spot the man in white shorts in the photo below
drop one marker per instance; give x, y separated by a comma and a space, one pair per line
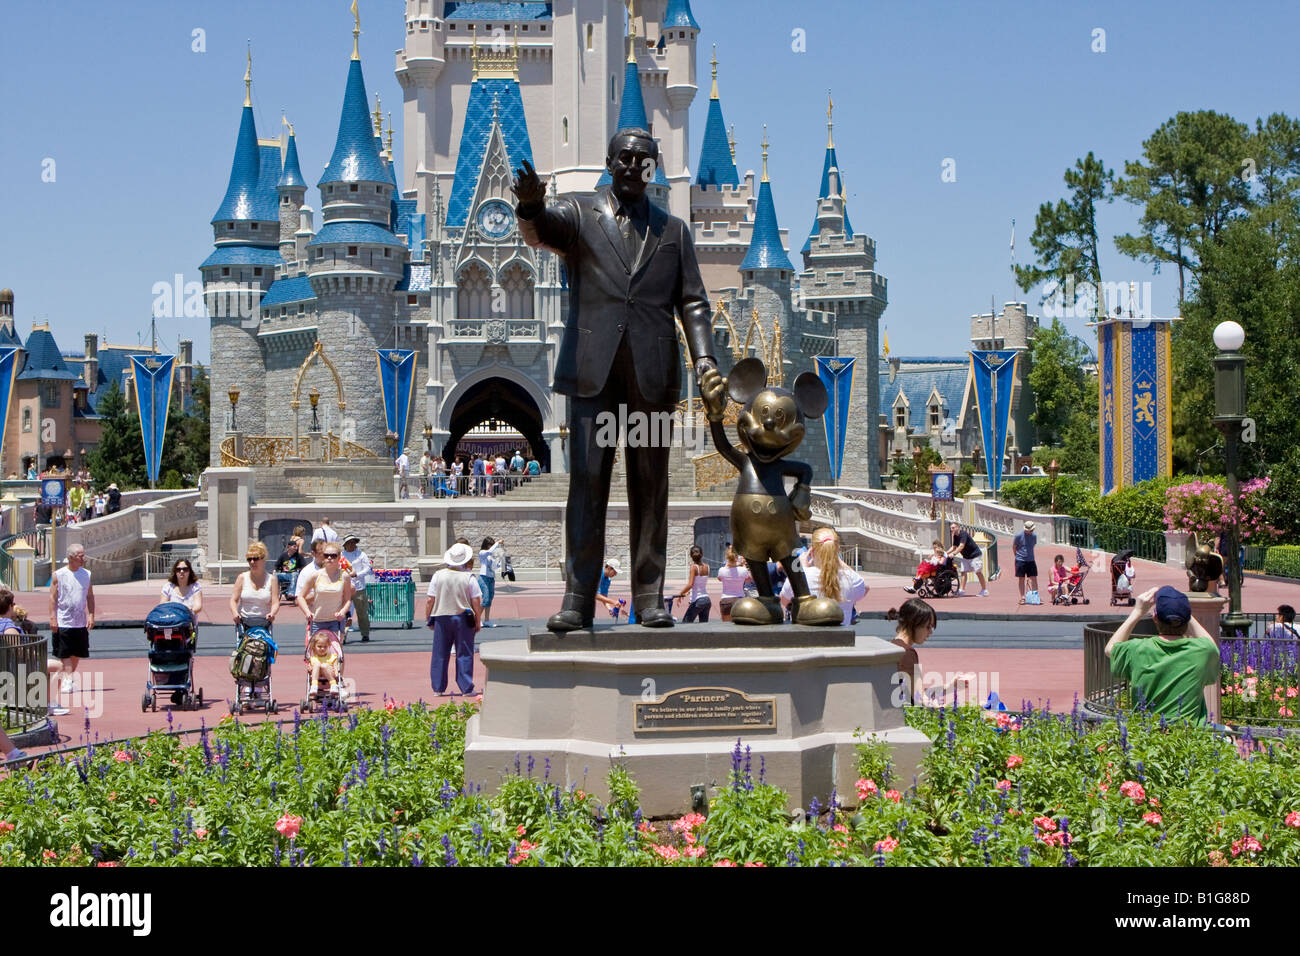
970, 559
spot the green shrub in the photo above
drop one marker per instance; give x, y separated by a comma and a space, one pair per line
1283, 560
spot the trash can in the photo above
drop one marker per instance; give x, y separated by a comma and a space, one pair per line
392, 598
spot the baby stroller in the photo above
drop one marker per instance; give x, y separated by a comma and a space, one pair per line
250, 666
171, 634
940, 582
1071, 591
322, 694
1121, 579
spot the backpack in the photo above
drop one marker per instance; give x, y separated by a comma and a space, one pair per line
252, 660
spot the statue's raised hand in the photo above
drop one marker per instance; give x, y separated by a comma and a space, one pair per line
528, 187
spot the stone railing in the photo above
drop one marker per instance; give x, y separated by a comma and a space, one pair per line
115, 543
901, 502
886, 528
1009, 521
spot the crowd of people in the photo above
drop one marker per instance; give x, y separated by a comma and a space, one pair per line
473, 475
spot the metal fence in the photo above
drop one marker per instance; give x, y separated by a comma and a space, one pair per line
1258, 669
1082, 533
21, 657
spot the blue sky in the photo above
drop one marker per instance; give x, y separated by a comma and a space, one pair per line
141, 129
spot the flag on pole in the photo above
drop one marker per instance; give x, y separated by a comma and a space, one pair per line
1013, 240
836, 373
396, 380
8, 375
886, 341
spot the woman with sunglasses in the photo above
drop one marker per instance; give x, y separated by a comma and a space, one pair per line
256, 592
183, 588
326, 599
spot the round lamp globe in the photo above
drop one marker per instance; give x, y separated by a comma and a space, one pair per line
1229, 336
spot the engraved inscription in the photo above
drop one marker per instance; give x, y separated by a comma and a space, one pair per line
706, 708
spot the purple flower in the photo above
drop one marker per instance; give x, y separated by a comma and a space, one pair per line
449, 855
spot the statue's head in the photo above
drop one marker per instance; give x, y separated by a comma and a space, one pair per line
771, 426
631, 161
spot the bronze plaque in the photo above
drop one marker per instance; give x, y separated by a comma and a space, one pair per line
706, 708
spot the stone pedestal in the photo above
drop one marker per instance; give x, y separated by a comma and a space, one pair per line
229, 494
670, 705
1206, 609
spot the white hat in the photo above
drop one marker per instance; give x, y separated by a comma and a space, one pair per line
1029, 526
613, 563
458, 554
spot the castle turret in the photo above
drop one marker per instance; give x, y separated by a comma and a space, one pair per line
419, 64
678, 35
91, 370
354, 260
292, 188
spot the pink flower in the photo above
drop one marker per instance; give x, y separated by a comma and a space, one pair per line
1004, 785
1055, 839
1217, 858
108, 863
1133, 790
1285, 712
391, 705
755, 863
1014, 761
121, 756
1154, 802
645, 826
521, 830
694, 852
1047, 824
7, 827
288, 826
1152, 818
1246, 844
688, 824
866, 788
894, 795
49, 855
666, 852
201, 833
723, 863
887, 845
1292, 820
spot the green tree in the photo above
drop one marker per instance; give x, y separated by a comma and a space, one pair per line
1056, 380
905, 469
1065, 235
1190, 186
119, 456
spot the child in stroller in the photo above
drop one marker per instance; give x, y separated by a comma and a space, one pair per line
324, 664
169, 629
1067, 583
1121, 579
936, 575
250, 665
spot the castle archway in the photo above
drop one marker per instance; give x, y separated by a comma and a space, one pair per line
509, 407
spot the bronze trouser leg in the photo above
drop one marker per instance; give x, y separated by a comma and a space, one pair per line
590, 467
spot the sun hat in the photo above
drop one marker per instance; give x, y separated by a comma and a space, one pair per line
1029, 526
457, 555
350, 538
613, 563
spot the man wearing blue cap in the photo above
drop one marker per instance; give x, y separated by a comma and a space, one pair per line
1174, 669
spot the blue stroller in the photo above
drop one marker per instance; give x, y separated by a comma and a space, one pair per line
250, 666
172, 638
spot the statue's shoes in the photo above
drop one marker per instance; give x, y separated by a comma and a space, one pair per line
817, 611
754, 610
654, 617
567, 621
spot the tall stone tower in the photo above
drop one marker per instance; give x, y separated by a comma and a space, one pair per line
841, 289
355, 261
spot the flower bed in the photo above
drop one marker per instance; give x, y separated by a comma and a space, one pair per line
385, 788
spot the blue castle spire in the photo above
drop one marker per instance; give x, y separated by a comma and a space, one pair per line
355, 157
291, 176
679, 14
765, 248
824, 190
631, 113
241, 193
717, 166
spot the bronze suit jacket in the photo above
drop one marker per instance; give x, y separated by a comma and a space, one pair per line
610, 297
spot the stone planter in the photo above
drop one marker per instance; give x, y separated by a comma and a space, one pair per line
1176, 549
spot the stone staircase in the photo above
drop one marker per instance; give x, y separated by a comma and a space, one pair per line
681, 483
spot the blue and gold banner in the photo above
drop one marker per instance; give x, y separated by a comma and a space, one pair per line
396, 381
837, 375
153, 395
8, 372
994, 373
1136, 417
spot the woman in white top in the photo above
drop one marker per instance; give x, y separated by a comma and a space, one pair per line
256, 592
183, 588
733, 576
326, 599
845, 587
697, 586
489, 561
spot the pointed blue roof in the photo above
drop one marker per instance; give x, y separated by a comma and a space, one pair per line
9, 337
490, 10
679, 14
291, 175
355, 156
717, 168
244, 199
474, 138
823, 192
631, 113
44, 360
765, 248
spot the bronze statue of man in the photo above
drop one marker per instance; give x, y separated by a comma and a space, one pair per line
630, 266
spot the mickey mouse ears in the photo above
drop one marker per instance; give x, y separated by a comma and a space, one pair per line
810, 394
747, 379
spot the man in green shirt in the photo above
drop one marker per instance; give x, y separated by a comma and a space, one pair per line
1176, 670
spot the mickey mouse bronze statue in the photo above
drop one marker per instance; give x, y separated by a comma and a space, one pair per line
763, 515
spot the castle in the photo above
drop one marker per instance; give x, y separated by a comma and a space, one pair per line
432, 261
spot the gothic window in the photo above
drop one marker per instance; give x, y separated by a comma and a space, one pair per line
935, 416
612, 98
27, 419
591, 37
252, 225
50, 396
564, 124
474, 293
353, 188
352, 250
900, 416
518, 287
